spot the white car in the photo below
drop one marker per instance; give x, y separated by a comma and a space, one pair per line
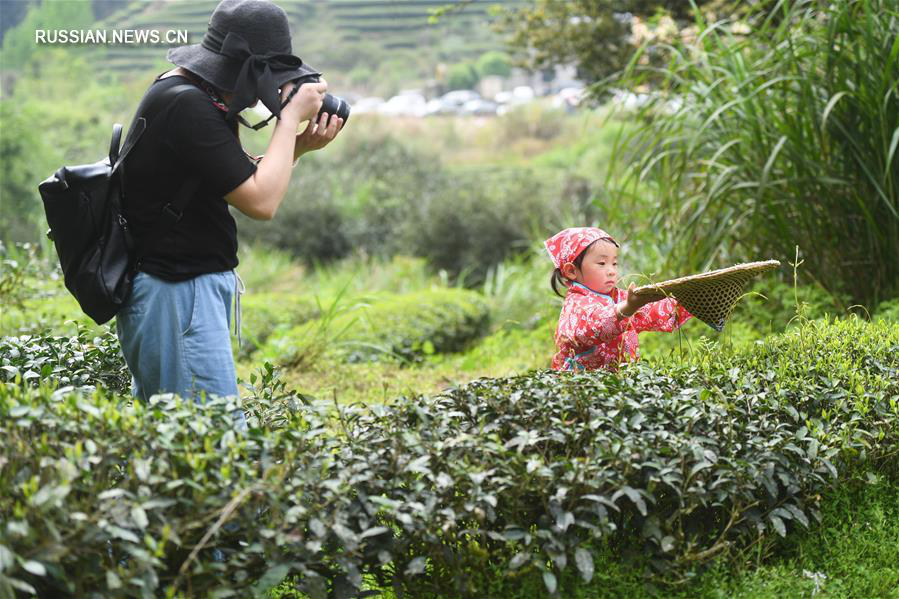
406, 104
439, 106
523, 93
457, 98
479, 107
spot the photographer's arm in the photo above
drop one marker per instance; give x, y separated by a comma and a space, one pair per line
260, 195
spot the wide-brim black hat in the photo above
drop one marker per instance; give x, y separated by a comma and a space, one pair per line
246, 52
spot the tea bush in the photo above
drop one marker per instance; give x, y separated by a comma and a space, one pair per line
82, 360
404, 327
103, 497
501, 475
263, 313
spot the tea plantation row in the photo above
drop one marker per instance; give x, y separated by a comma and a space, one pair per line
100, 495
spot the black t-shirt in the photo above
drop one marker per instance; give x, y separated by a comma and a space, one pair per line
187, 137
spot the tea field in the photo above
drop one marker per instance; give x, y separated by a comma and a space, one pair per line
406, 439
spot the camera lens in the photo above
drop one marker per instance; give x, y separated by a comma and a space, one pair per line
334, 105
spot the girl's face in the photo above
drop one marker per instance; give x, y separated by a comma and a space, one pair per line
599, 269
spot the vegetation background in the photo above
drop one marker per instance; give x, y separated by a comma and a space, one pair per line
406, 262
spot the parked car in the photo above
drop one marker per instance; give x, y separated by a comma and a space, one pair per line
457, 98
439, 106
405, 104
479, 107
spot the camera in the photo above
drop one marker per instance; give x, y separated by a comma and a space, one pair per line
330, 104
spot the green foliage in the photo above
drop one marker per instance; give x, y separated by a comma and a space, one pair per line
263, 268
519, 293
888, 310
19, 42
785, 137
479, 219
431, 495
105, 496
405, 327
462, 75
770, 305
494, 63
264, 313
379, 196
26, 160
851, 553
79, 361
358, 202
534, 119
592, 34
41, 134
18, 262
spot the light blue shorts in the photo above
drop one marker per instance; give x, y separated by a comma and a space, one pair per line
175, 336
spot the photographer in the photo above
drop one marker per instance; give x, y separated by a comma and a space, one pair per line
174, 328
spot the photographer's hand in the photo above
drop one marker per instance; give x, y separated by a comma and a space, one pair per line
305, 104
317, 135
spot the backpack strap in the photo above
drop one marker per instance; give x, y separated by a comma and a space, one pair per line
140, 123
114, 144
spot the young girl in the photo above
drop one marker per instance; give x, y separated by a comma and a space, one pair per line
599, 323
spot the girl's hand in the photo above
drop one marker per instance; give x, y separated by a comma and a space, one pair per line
307, 101
317, 135
633, 302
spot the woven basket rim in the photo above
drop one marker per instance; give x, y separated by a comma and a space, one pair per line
709, 276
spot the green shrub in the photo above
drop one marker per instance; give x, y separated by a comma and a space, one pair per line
380, 196
357, 203
462, 75
81, 361
264, 313
308, 225
494, 63
888, 310
480, 218
768, 306
33, 297
406, 327
106, 498
501, 475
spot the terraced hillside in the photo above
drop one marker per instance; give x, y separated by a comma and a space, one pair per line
337, 36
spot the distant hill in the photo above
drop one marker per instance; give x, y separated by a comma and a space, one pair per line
377, 45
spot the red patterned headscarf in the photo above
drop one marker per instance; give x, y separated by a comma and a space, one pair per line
565, 246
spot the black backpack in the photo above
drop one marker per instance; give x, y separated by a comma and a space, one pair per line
96, 249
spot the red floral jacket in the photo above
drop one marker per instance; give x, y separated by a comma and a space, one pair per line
590, 335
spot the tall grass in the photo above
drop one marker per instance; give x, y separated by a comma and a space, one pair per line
786, 136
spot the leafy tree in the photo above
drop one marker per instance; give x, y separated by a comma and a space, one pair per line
462, 76
599, 36
18, 42
56, 113
23, 158
494, 63
10, 15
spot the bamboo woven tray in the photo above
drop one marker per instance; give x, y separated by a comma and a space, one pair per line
709, 296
